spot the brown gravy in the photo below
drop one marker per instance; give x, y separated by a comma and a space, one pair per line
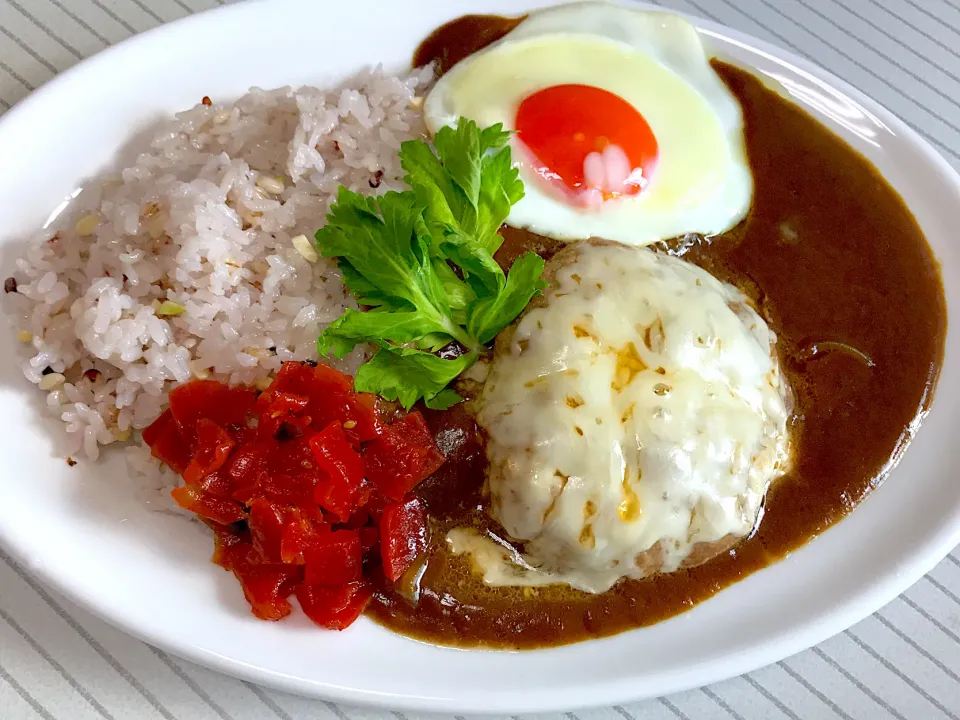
840, 269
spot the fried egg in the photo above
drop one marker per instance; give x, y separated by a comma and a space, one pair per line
623, 130
635, 417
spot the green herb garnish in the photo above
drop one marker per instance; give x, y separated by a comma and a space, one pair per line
422, 261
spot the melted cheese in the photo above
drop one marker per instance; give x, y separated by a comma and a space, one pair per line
638, 414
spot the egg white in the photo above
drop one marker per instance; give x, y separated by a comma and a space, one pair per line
654, 60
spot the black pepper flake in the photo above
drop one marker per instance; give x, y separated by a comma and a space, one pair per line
273, 349
377, 179
47, 370
287, 431
71, 462
92, 374
336, 146
240, 526
206, 100
311, 363
10, 285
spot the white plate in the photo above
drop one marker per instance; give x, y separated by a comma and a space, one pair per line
83, 532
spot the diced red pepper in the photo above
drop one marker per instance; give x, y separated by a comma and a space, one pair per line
334, 608
414, 429
367, 417
360, 408
369, 537
323, 475
282, 423
230, 547
154, 430
332, 398
373, 501
401, 456
292, 543
165, 442
247, 460
223, 404
245, 434
267, 587
266, 522
315, 515
217, 484
340, 492
245, 468
291, 472
359, 518
333, 559
403, 536
309, 379
285, 488
208, 506
275, 402
213, 446
299, 533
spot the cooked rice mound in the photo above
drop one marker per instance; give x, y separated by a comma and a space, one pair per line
189, 262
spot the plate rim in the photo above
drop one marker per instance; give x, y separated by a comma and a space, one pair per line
774, 647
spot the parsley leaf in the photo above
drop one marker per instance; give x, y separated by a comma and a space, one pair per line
355, 327
406, 374
382, 245
492, 314
422, 262
500, 188
459, 293
467, 192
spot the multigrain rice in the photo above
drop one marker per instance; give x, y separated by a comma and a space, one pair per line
191, 261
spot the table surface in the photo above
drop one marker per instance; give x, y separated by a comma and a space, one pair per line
57, 661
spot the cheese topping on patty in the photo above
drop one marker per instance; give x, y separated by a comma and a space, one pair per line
635, 420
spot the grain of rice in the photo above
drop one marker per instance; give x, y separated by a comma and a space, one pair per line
271, 185
87, 224
51, 381
305, 248
201, 372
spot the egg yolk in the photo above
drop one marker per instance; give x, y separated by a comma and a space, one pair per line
588, 141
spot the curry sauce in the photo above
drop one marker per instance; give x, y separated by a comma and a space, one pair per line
839, 268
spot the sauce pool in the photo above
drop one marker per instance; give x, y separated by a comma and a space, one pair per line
837, 265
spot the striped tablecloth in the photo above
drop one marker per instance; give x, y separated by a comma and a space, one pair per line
56, 661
